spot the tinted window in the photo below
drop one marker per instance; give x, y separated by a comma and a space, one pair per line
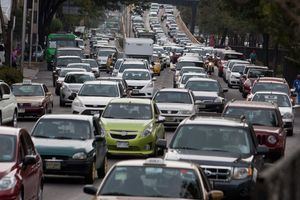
181, 64
69, 53
173, 97
152, 182
136, 75
281, 100
66, 61
203, 86
100, 90
6, 89
78, 78
270, 87
7, 148
28, 90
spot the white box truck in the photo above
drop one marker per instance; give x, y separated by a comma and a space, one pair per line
138, 48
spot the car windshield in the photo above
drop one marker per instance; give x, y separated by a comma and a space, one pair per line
65, 43
278, 87
93, 63
69, 53
128, 111
86, 67
280, 99
260, 117
233, 56
28, 90
136, 75
192, 70
181, 64
7, 148
210, 86
62, 129
186, 77
173, 97
105, 53
78, 78
66, 61
63, 73
256, 73
238, 68
99, 90
132, 66
152, 181
212, 138
118, 64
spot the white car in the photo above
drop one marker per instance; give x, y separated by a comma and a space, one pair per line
8, 106
188, 70
284, 104
175, 105
227, 69
102, 56
94, 65
140, 82
85, 66
186, 76
72, 84
132, 64
235, 74
95, 95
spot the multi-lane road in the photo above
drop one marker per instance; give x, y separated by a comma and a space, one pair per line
71, 188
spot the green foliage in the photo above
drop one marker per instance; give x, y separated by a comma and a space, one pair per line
10, 75
56, 25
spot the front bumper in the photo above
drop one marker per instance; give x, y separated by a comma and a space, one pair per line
142, 93
234, 82
88, 110
173, 120
138, 146
210, 107
30, 111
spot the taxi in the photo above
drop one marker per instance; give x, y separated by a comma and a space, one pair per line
151, 178
156, 65
34, 99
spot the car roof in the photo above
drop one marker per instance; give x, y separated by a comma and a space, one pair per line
83, 72
202, 79
101, 82
70, 69
134, 70
213, 120
5, 130
131, 100
86, 64
271, 79
88, 59
69, 48
191, 67
68, 57
166, 163
139, 61
271, 92
173, 90
194, 73
257, 66
29, 83
67, 116
252, 104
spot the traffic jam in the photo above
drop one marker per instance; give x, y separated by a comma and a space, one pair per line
158, 104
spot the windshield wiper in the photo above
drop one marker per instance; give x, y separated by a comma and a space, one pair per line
214, 149
41, 136
186, 148
63, 137
116, 194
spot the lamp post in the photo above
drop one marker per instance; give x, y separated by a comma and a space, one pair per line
23, 33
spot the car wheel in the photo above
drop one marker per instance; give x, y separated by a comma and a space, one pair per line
40, 192
61, 102
103, 169
290, 132
13, 123
229, 85
91, 176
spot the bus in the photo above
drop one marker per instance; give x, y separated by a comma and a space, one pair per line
56, 40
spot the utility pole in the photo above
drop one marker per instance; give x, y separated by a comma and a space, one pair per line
31, 31
37, 29
23, 32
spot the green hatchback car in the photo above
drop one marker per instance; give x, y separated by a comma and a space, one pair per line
132, 127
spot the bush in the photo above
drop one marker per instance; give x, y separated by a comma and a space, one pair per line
10, 75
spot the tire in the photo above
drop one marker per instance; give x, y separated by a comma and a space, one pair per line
91, 176
13, 123
229, 85
40, 192
290, 132
101, 172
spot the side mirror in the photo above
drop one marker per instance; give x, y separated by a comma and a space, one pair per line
29, 160
261, 150
225, 89
293, 90
90, 189
161, 143
73, 96
215, 195
154, 79
5, 97
99, 138
160, 119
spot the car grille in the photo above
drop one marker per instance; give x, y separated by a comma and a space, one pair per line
169, 111
57, 157
206, 99
135, 87
123, 135
217, 173
95, 106
262, 139
130, 148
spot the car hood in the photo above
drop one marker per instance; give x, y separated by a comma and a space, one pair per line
266, 129
26, 99
62, 147
236, 74
174, 106
6, 167
206, 157
284, 110
137, 82
92, 100
74, 86
205, 94
132, 198
124, 124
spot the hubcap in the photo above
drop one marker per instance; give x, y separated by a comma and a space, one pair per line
15, 120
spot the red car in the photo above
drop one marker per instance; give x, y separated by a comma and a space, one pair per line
21, 169
267, 124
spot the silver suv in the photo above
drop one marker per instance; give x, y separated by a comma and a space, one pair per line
8, 106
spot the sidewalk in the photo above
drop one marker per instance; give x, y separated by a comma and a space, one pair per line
30, 72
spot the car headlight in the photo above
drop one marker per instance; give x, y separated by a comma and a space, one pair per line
271, 139
218, 100
151, 84
185, 112
79, 156
7, 182
147, 131
288, 116
241, 172
77, 103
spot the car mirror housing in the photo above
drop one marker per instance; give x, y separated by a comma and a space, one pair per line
216, 195
90, 189
73, 96
161, 143
29, 160
160, 119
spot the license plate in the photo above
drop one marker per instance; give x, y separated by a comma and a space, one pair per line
94, 112
21, 110
122, 144
169, 119
53, 165
135, 91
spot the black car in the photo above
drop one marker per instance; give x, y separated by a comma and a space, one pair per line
71, 145
225, 148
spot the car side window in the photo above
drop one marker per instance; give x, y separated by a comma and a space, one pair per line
45, 88
121, 89
206, 184
29, 145
21, 150
96, 127
5, 89
156, 110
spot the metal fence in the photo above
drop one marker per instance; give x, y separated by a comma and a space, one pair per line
281, 181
